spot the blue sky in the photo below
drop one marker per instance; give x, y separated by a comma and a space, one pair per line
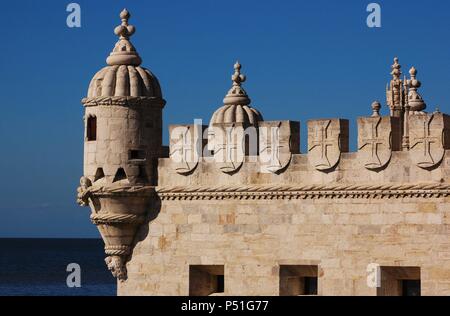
303, 60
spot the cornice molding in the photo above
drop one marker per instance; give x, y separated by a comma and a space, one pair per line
330, 191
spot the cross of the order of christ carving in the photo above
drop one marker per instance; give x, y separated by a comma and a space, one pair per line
426, 140
323, 141
184, 147
374, 142
231, 149
272, 148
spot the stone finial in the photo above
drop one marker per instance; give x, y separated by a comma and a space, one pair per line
396, 69
124, 52
376, 106
394, 92
237, 95
415, 100
124, 31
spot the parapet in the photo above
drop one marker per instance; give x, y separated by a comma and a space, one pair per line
230, 143
272, 145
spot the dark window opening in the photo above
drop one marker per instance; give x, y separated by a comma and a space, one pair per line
91, 128
298, 280
411, 287
99, 174
120, 175
142, 175
206, 280
136, 155
399, 281
310, 286
220, 283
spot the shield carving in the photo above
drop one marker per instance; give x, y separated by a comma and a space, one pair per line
426, 136
277, 142
185, 147
229, 146
326, 140
374, 141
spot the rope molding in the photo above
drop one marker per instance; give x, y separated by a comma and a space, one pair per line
118, 250
269, 192
111, 218
123, 190
123, 101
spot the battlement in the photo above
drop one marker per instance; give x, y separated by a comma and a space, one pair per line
237, 134
274, 145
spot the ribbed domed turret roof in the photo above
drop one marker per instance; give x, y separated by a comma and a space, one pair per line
236, 108
124, 76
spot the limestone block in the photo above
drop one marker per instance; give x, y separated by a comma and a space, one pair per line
194, 219
427, 138
327, 139
377, 138
278, 140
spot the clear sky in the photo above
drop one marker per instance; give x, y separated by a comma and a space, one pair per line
303, 60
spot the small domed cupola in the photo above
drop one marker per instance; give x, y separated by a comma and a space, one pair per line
124, 77
236, 108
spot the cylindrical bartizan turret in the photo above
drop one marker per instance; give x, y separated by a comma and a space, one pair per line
122, 142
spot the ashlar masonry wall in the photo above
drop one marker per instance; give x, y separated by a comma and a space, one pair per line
252, 222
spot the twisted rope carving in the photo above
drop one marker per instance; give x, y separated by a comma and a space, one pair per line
119, 250
111, 218
123, 101
305, 191
120, 190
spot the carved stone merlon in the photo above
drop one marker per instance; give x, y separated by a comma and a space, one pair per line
186, 146
327, 139
377, 138
278, 140
229, 145
428, 134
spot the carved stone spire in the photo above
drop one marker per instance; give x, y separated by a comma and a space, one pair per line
237, 95
124, 52
394, 91
415, 100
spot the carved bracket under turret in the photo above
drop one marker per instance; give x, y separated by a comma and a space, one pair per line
118, 212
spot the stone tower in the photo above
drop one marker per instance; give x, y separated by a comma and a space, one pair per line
123, 136
244, 212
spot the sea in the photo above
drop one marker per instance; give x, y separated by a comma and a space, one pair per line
43, 267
